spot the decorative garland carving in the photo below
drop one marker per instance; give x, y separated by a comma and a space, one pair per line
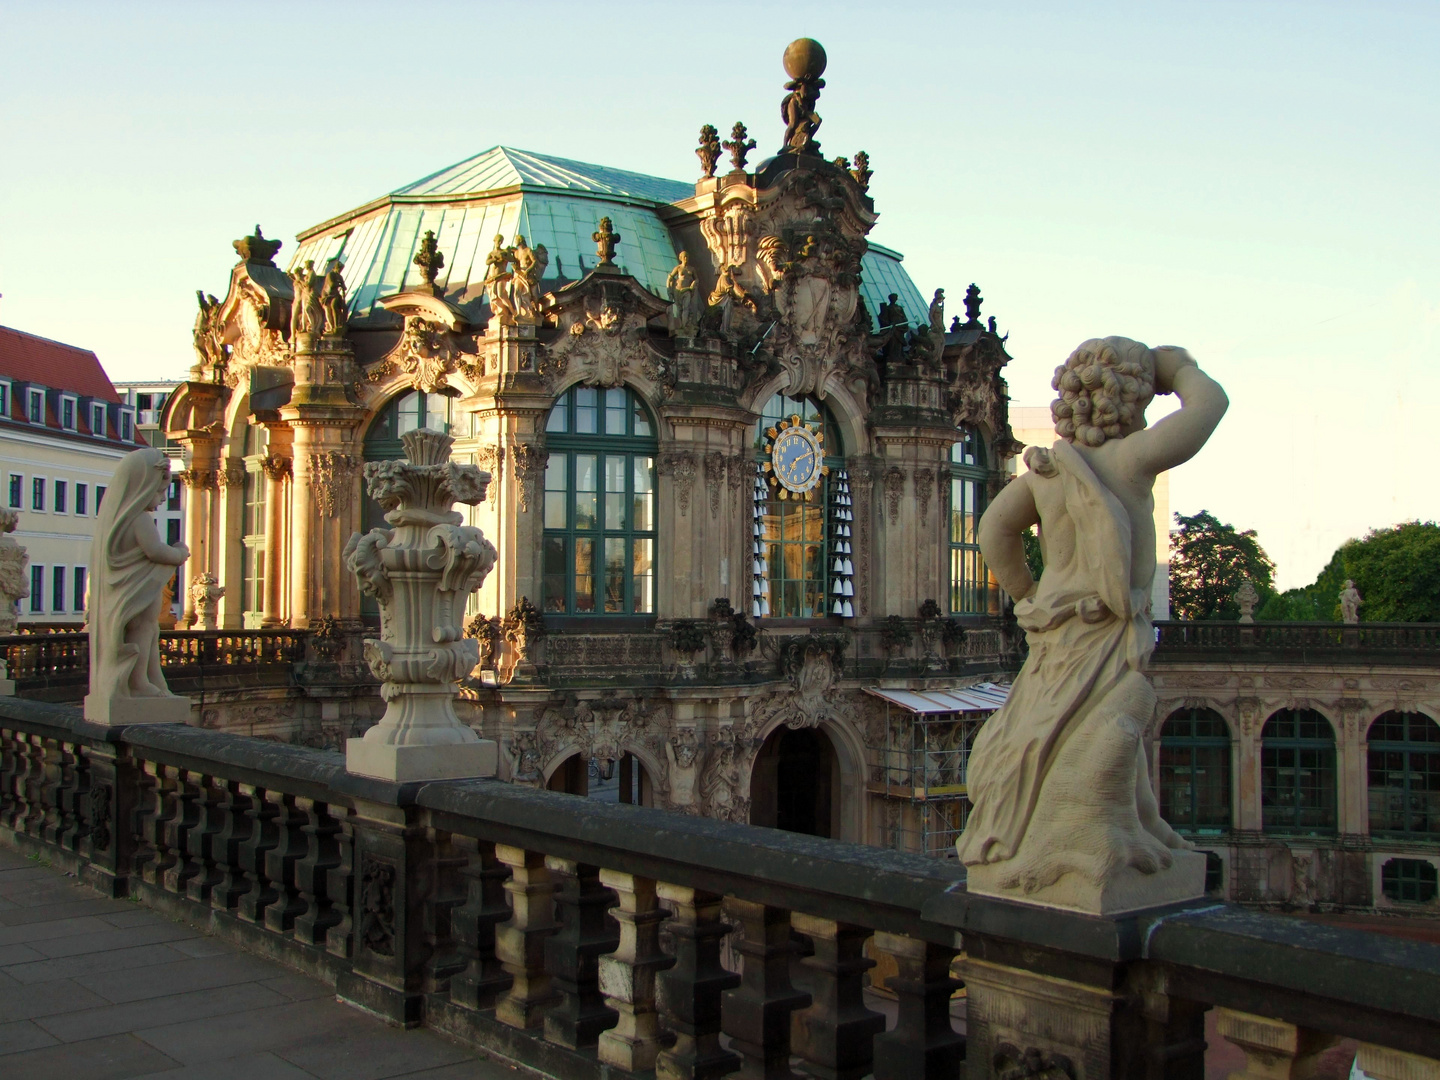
377, 904
530, 461
894, 489
331, 474
492, 460
812, 665
714, 479
923, 479
100, 817
427, 353
680, 466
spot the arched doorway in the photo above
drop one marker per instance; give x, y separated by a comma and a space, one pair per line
625, 780
795, 782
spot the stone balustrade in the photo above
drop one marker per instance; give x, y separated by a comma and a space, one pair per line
584, 939
1408, 644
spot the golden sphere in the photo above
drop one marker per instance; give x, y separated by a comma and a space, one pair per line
804, 59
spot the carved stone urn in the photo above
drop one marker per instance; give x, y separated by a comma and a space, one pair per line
206, 593
420, 573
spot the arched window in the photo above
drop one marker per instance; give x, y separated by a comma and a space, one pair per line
598, 555
1297, 773
801, 546
969, 580
1195, 772
253, 539
1405, 775
406, 413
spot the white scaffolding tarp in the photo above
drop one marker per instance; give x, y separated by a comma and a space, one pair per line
982, 697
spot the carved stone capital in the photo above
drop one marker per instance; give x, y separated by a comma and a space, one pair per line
276, 466
198, 478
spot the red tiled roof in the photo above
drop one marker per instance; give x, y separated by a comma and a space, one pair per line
54, 365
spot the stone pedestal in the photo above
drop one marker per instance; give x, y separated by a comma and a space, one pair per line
115, 712
1129, 890
452, 761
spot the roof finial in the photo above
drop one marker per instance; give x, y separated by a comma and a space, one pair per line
972, 303
605, 240
709, 150
738, 146
804, 63
428, 258
255, 248
861, 172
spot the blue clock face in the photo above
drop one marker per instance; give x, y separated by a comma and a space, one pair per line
796, 459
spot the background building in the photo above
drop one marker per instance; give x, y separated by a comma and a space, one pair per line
63, 427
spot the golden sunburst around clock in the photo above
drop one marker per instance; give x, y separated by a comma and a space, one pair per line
797, 454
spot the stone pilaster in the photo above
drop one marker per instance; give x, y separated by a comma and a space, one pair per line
201, 519
277, 468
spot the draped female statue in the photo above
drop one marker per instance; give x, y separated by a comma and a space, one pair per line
129, 568
1063, 809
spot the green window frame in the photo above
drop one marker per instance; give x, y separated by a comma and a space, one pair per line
598, 549
792, 537
253, 540
1195, 772
1297, 774
1409, 881
1404, 775
970, 591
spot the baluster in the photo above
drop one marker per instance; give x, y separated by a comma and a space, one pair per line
340, 888
236, 823
312, 873
12, 767
444, 955
210, 821
291, 844
756, 1015
520, 940
263, 837
59, 770
474, 924
74, 798
833, 1036
572, 955
36, 794
178, 827
923, 1043
155, 811
688, 995
627, 976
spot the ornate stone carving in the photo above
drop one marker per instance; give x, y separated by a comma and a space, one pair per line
804, 63
577, 653
14, 578
276, 466
894, 491
232, 475
429, 259
714, 479
682, 752
684, 289
100, 818
209, 335
606, 239
256, 344
724, 781
377, 904
420, 572
255, 248
332, 301
812, 666
738, 146
709, 150
427, 353
679, 465
205, 594
1247, 598
492, 460
1063, 810
861, 172
524, 628
604, 728
530, 460
331, 475
1350, 602
1010, 1063
198, 479
129, 568
306, 314
924, 482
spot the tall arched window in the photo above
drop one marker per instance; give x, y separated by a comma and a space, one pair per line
598, 555
969, 580
801, 547
253, 539
1195, 772
1297, 773
1404, 750
406, 413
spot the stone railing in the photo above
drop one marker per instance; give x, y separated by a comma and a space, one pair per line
1298, 642
584, 939
56, 667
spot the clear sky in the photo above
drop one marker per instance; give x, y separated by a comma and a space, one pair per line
1254, 181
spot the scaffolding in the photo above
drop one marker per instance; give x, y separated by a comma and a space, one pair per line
922, 763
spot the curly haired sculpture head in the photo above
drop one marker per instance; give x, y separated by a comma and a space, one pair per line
1104, 388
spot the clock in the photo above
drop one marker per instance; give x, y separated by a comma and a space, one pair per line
796, 458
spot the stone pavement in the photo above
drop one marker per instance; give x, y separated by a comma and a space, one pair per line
93, 989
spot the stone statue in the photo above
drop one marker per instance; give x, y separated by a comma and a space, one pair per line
421, 571
305, 314
14, 580
1350, 602
683, 753
529, 264
709, 150
937, 313
332, 301
129, 568
1247, 598
1063, 810
209, 344
205, 593
606, 239
429, 260
684, 289
804, 63
497, 280
739, 146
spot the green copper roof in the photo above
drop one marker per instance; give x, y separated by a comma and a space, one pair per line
549, 200
504, 167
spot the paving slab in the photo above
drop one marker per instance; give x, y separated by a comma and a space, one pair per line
74, 967
117, 1057
250, 1067
94, 1022
24, 1035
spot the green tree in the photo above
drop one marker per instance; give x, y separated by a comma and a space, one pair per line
1293, 605
1396, 570
1209, 561
1033, 558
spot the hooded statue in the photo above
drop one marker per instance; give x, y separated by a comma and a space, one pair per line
129, 568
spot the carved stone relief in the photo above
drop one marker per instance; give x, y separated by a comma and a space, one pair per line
680, 466
812, 666
332, 475
714, 479
530, 460
894, 491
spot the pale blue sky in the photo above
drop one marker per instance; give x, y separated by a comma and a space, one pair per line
1255, 181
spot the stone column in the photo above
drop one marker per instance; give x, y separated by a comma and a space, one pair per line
277, 467
201, 484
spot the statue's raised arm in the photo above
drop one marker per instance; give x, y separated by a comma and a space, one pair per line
129, 568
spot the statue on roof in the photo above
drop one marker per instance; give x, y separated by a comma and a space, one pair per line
208, 332
937, 313
973, 300
709, 150
529, 264
332, 300
804, 63
255, 248
606, 239
684, 289
429, 259
306, 316
497, 280
861, 172
14, 578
